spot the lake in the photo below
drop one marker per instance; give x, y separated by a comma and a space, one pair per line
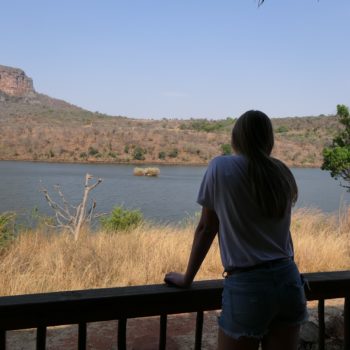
171, 197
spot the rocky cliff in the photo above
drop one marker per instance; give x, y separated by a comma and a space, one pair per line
14, 82
17, 92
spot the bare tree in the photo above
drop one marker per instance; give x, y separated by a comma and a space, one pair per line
72, 217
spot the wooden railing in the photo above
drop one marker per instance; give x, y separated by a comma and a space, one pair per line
79, 307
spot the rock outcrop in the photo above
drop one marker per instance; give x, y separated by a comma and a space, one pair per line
334, 330
14, 82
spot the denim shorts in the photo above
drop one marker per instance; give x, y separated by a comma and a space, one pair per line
258, 300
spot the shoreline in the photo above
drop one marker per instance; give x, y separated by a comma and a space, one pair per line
136, 163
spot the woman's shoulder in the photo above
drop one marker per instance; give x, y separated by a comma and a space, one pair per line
231, 164
229, 160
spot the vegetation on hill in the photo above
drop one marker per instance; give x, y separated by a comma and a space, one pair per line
45, 129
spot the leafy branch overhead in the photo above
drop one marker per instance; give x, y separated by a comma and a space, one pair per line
336, 158
70, 217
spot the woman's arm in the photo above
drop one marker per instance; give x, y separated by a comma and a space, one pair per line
205, 233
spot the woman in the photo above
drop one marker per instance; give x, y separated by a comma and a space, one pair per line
247, 199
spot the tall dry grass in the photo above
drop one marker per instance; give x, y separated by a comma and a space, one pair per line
39, 261
321, 241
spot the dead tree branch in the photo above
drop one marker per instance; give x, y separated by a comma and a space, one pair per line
68, 216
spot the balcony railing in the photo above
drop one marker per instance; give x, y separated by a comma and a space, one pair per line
80, 307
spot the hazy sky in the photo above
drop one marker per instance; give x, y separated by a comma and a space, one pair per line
183, 58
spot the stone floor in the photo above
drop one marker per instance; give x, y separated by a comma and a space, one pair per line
142, 334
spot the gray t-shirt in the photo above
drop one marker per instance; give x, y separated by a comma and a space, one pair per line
246, 237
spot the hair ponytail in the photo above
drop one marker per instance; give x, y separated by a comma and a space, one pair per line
272, 183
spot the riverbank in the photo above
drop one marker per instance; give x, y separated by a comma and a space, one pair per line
42, 261
96, 161
140, 163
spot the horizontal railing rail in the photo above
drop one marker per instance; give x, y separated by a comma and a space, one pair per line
83, 306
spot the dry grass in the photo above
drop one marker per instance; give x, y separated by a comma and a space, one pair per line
139, 172
321, 241
39, 261
146, 171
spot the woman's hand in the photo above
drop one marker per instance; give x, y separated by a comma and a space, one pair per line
177, 279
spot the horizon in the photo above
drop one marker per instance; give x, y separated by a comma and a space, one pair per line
183, 60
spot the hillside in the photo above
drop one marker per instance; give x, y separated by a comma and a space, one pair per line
36, 127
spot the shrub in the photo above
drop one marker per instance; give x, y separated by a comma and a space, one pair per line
112, 154
7, 230
139, 153
208, 125
146, 171
173, 153
139, 172
226, 149
151, 171
161, 155
282, 129
122, 219
92, 151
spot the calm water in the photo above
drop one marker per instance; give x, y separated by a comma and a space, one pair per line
169, 198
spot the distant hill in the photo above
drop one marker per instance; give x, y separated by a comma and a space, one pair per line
34, 126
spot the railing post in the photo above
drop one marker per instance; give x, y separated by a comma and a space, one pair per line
347, 323
162, 332
82, 336
321, 325
41, 338
2, 340
199, 330
122, 334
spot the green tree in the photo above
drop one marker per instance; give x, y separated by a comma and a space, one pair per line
161, 155
336, 158
139, 153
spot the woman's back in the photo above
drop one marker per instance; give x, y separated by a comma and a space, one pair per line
247, 236
247, 201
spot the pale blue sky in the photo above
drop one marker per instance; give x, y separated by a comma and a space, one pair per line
183, 58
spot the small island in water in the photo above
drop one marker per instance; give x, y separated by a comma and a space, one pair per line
146, 171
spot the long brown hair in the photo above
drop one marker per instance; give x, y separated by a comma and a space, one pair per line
273, 185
